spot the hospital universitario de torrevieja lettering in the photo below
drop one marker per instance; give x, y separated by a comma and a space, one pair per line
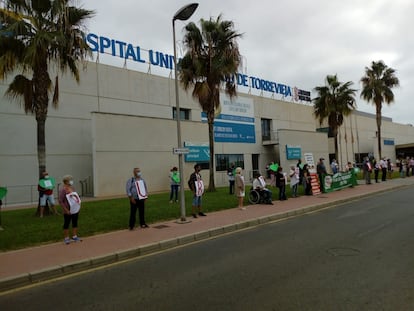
128, 51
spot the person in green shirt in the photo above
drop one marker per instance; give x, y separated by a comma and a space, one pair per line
175, 184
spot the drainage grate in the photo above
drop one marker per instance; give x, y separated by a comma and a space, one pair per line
160, 226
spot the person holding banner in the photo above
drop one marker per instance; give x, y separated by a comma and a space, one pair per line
175, 183
45, 188
70, 202
197, 187
137, 192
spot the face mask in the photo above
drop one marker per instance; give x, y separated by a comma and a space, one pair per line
46, 176
139, 174
71, 182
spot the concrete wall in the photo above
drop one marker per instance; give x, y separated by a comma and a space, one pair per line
116, 119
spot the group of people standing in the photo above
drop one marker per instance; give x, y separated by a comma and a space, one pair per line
405, 165
298, 175
370, 165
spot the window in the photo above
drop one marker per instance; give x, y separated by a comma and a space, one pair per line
223, 161
266, 129
184, 114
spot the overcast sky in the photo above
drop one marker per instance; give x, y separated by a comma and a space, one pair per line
294, 42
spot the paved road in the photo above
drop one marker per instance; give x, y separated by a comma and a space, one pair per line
356, 256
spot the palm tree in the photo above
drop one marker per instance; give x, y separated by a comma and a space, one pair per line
34, 35
211, 60
376, 88
334, 101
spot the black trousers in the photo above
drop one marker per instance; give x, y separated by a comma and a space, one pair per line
376, 173
140, 205
231, 186
384, 174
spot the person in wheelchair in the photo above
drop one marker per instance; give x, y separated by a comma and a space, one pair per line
259, 185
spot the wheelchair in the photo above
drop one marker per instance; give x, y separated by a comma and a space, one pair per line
257, 197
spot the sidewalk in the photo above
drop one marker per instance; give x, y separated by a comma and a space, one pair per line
31, 265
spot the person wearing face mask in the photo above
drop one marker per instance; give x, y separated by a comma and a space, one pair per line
45, 188
70, 212
195, 183
137, 192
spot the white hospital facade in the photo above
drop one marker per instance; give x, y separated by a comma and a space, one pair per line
117, 119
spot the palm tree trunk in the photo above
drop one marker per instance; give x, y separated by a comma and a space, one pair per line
41, 82
210, 120
41, 144
379, 130
336, 147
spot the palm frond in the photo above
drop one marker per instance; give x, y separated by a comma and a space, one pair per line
22, 88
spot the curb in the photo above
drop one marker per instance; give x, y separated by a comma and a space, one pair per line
48, 274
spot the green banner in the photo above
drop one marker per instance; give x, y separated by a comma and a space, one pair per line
48, 183
339, 181
3, 192
176, 177
274, 167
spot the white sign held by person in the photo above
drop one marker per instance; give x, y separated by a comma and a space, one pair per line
199, 186
74, 202
141, 190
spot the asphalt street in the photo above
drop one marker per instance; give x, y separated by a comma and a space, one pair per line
356, 256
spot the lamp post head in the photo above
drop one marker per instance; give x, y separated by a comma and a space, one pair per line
185, 12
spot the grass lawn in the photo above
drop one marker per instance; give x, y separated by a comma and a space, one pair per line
23, 229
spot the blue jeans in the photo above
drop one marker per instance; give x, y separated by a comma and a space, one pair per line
174, 192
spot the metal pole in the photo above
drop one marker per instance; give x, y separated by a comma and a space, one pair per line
178, 117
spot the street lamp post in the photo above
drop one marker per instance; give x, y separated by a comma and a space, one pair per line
182, 14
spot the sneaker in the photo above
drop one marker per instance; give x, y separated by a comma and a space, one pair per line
242, 208
76, 239
171, 201
201, 214
66, 241
194, 215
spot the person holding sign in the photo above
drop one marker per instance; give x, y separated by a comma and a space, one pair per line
70, 202
197, 187
45, 188
240, 185
137, 192
175, 183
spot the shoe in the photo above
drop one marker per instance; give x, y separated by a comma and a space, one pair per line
66, 241
144, 226
270, 203
76, 239
242, 208
171, 201
176, 201
194, 215
201, 214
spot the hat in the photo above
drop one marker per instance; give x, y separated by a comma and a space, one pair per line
321, 159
